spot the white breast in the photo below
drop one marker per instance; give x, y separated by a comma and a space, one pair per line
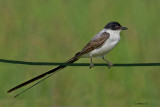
109, 44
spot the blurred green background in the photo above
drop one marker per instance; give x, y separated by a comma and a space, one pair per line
54, 30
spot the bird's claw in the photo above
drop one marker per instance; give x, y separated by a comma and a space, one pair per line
91, 65
109, 65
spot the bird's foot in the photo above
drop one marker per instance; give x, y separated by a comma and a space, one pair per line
91, 65
109, 65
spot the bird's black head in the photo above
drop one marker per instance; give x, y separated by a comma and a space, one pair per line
115, 26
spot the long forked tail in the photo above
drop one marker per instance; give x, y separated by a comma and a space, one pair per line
72, 60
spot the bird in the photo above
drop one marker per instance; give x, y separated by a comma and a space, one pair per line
102, 43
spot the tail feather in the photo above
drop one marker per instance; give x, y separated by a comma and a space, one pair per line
72, 60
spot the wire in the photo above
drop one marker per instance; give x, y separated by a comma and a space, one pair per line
74, 64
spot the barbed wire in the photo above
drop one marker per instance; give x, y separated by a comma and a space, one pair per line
74, 64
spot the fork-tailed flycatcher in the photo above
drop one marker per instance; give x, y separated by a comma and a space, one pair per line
99, 46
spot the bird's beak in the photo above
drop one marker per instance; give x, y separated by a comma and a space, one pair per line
124, 28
